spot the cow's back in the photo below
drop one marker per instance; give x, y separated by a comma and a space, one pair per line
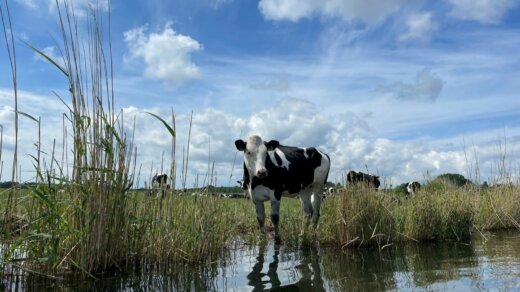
302, 163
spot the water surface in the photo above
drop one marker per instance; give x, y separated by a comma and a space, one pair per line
481, 265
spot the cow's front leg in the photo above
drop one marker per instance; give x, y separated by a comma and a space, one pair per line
275, 218
260, 215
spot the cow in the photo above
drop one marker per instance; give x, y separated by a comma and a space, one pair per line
411, 188
356, 178
160, 184
328, 192
272, 170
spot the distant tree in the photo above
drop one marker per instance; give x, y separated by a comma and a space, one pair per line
454, 178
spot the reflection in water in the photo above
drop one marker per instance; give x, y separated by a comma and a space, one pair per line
482, 265
304, 273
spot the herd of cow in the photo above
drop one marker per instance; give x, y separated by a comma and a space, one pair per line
273, 171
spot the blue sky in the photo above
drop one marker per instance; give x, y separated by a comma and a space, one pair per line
405, 89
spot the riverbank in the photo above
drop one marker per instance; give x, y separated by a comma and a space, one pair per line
181, 229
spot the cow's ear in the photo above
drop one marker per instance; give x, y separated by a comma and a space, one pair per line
271, 145
241, 145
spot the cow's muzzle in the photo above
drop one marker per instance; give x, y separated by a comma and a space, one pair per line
261, 173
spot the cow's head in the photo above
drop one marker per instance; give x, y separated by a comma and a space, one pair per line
255, 153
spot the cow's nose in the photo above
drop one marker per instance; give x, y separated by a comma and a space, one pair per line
261, 173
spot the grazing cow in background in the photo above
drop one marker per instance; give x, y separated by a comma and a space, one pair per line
160, 184
411, 188
272, 170
355, 178
328, 192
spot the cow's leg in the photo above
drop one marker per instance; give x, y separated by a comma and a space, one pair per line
316, 204
260, 215
275, 217
305, 200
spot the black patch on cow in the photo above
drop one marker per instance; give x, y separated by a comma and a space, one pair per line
299, 175
278, 158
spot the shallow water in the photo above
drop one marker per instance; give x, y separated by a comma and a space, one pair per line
492, 264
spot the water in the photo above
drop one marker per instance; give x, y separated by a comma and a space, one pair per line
482, 265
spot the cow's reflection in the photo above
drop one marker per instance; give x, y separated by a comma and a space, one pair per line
256, 277
304, 275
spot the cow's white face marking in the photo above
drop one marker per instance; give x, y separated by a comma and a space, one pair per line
254, 156
255, 153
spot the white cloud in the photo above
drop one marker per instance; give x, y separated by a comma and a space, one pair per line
348, 10
420, 27
426, 87
79, 7
166, 55
349, 140
28, 3
484, 11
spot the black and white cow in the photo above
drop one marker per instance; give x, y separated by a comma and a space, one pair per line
160, 184
411, 188
357, 178
328, 192
272, 170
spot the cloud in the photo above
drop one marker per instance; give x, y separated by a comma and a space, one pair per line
484, 11
272, 85
420, 27
349, 139
166, 55
79, 7
426, 87
347, 10
28, 3
51, 53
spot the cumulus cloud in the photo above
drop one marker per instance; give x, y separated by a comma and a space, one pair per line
427, 86
420, 27
166, 54
347, 10
348, 138
484, 11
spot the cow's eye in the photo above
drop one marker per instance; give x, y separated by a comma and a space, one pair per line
248, 152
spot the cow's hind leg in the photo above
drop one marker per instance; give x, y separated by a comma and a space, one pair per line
317, 191
260, 215
305, 200
275, 218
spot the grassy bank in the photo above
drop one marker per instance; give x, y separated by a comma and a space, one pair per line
183, 229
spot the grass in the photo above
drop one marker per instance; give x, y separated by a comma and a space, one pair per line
185, 229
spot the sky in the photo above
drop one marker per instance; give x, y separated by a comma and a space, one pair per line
407, 90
